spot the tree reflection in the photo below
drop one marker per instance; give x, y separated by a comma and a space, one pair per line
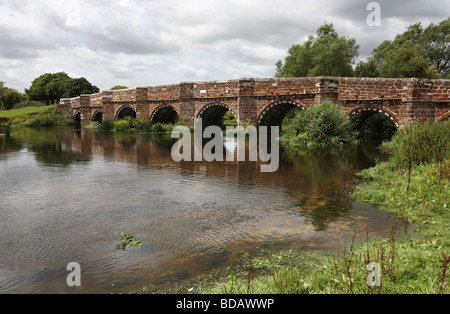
46, 144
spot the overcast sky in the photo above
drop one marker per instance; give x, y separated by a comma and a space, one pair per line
155, 42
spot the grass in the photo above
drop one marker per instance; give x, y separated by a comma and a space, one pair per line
17, 113
43, 116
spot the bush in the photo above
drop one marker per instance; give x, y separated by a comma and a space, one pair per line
321, 127
106, 126
47, 120
129, 124
229, 119
121, 126
133, 123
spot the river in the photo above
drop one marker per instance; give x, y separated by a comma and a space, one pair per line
64, 194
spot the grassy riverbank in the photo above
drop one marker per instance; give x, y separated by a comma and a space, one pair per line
414, 185
44, 116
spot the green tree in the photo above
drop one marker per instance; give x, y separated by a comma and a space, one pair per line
119, 87
77, 87
435, 46
406, 62
367, 69
50, 88
9, 97
326, 54
420, 52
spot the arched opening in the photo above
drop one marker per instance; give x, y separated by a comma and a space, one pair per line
78, 120
373, 123
214, 114
97, 117
165, 115
125, 112
279, 114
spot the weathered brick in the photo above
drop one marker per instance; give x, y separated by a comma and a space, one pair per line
404, 100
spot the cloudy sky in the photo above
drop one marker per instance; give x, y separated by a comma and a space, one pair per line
154, 42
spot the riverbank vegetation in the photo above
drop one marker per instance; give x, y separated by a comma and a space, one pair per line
130, 124
321, 127
414, 185
41, 116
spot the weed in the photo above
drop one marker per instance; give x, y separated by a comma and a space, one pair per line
126, 239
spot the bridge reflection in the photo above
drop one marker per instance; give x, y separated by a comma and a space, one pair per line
316, 186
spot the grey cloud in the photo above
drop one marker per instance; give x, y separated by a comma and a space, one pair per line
123, 41
356, 10
177, 40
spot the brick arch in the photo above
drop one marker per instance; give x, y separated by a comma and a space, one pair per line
75, 113
77, 117
212, 114
274, 113
375, 109
122, 110
165, 114
444, 117
96, 114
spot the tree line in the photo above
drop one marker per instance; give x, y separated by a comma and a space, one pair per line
47, 89
418, 52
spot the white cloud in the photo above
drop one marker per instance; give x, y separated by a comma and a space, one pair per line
151, 42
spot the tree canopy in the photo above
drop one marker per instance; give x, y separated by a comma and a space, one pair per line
326, 54
119, 87
50, 88
9, 97
418, 52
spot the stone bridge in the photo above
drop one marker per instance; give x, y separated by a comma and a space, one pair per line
266, 102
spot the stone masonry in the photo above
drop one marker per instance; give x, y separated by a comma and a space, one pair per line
267, 101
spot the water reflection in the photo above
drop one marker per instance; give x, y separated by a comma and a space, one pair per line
66, 193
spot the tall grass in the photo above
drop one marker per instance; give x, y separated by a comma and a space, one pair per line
405, 267
420, 144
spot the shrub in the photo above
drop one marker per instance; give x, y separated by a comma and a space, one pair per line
133, 123
107, 126
229, 119
121, 126
47, 120
320, 127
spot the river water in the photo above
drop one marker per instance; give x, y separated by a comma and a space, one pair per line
64, 194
